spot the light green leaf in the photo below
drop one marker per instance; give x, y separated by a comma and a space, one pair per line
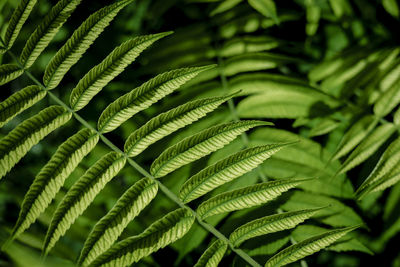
391, 7
388, 100
144, 96
199, 145
27, 134
18, 18
9, 72
46, 30
170, 121
245, 197
270, 224
110, 227
307, 247
79, 42
18, 102
226, 170
167, 230
213, 255
80, 195
353, 136
100, 75
385, 173
368, 146
266, 8
225, 5
52, 176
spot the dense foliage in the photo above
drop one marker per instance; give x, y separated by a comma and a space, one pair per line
199, 133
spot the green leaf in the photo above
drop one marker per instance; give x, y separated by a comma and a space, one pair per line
18, 102
246, 197
388, 100
166, 230
385, 173
110, 227
391, 7
170, 121
353, 136
270, 224
335, 214
52, 176
79, 42
18, 18
226, 170
199, 145
81, 194
144, 96
100, 75
225, 6
307, 247
266, 8
9, 72
368, 146
213, 255
27, 134
46, 30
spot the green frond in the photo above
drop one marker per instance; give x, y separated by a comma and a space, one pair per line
79, 42
368, 146
18, 18
144, 96
109, 228
46, 30
213, 255
354, 135
165, 231
226, 170
246, 197
9, 72
170, 121
100, 75
18, 102
270, 224
388, 100
307, 247
52, 176
81, 195
387, 169
199, 145
27, 134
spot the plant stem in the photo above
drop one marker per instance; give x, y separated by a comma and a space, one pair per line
140, 169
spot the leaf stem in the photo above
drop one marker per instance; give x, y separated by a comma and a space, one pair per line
140, 169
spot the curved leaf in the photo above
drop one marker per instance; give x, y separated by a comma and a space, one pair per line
9, 72
81, 195
386, 168
110, 227
246, 197
226, 170
270, 224
100, 75
79, 42
199, 145
144, 96
46, 30
18, 102
167, 230
52, 176
368, 146
213, 255
27, 134
18, 18
307, 247
170, 121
